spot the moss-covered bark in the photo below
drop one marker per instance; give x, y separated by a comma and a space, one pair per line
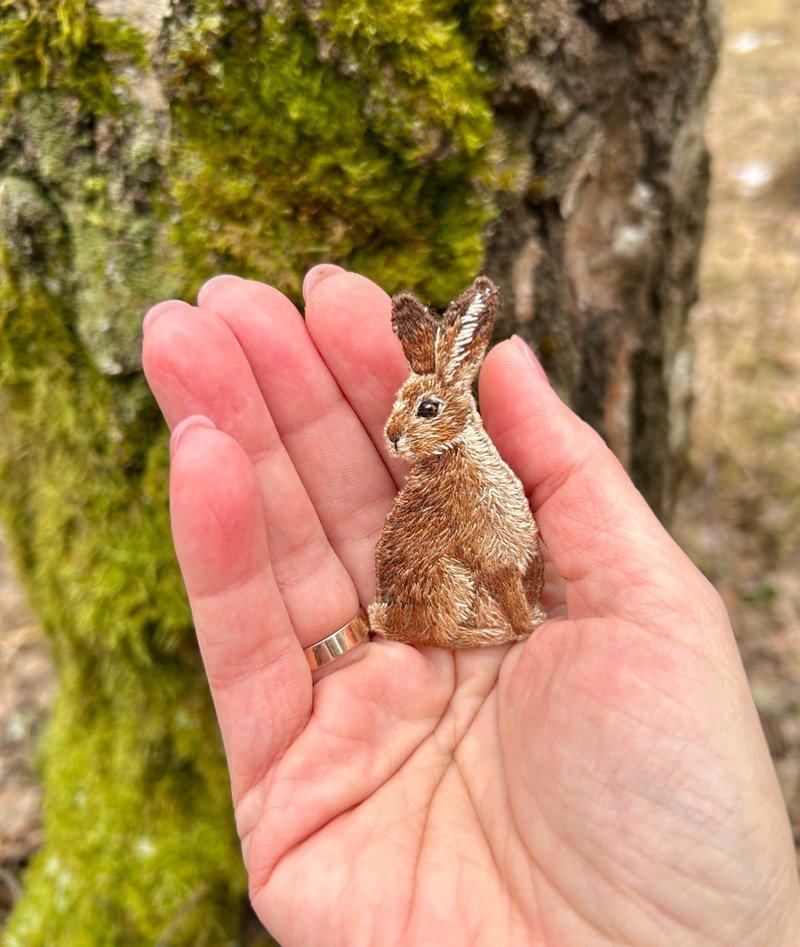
349, 131
411, 140
139, 842
277, 160
136, 803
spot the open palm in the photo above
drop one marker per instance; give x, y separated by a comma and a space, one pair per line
605, 782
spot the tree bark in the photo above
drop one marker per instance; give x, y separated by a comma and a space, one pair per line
597, 245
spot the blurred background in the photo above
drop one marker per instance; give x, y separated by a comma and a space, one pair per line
736, 507
739, 511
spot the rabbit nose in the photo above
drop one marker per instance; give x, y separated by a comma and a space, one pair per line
394, 439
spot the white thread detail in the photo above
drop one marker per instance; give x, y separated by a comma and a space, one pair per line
466, 333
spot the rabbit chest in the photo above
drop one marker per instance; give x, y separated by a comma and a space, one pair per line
465, 504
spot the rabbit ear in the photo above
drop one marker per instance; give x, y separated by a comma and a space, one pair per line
466, 332
414, 325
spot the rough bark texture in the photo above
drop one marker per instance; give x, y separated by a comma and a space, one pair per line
603, 104
557, 142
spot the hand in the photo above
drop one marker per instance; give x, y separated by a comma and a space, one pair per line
606, 782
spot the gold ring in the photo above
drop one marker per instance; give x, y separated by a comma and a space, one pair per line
339, 643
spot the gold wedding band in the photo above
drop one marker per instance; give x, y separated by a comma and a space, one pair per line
339, 643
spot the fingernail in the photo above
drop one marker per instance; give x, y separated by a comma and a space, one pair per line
527, 351
317, 274
194, 420
155, 311
210, 284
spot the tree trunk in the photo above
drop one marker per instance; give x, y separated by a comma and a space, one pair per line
597, 245
557, 144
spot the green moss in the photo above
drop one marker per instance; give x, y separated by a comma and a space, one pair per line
140, 842
134, 848
358, 134
137, 811
68, 45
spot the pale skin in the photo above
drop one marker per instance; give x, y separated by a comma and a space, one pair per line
604, 783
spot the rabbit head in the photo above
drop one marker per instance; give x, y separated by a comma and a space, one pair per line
435, 406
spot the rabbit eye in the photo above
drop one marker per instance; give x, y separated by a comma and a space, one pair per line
428, 409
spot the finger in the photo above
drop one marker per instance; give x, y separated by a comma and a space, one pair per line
258, 674
350, 320
603, 538
195, 366
343, 473
318, 273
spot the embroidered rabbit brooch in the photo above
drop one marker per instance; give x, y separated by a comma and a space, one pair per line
459, 563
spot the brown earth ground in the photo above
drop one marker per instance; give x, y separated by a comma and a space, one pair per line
740, 513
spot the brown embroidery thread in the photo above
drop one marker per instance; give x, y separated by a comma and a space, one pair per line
459, 563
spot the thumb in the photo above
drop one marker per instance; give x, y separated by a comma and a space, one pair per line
615, 556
